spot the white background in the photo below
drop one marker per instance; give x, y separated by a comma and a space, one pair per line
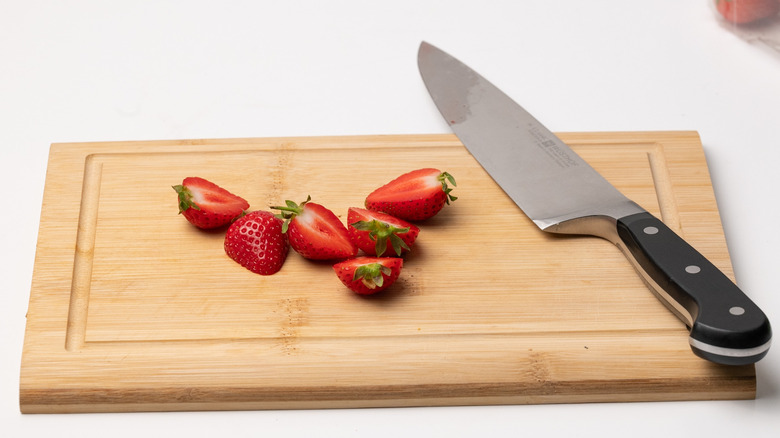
149, 70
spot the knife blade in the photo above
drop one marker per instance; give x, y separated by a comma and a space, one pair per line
561, 193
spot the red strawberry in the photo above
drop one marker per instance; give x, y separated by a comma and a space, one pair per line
206, 205
747, 11
413, 196
376, 232
315, 232
257, 243
369, 275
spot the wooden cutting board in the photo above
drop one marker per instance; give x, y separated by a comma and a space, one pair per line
133, 309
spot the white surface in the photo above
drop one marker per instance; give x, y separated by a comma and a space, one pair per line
147, 70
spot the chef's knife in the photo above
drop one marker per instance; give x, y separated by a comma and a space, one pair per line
561, 193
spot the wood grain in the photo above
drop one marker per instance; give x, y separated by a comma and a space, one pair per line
133, 309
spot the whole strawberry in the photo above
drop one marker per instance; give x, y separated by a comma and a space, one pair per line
206, 205
378, 233
257, 243
369, 275
413, 196
315, 232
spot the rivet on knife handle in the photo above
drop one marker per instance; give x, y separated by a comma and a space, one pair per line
726, 326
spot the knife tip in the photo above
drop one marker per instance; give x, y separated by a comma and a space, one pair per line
425, 48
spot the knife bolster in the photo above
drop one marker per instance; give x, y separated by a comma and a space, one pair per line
596, 225
600, 220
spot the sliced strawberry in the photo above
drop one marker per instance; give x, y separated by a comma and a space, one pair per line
413, 196
315, 232
206, 205
376, 233
257, 243
369, 275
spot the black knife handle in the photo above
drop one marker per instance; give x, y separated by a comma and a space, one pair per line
725, 325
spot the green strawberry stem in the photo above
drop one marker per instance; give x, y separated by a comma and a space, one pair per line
443, 178
371, 274
380, 232
185, 198
289, 211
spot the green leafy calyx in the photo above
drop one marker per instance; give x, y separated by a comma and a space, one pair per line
371, 274
185, 198
444, 177
289, 211
381, 232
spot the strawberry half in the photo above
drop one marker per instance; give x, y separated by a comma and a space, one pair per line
207, 205
375, 232
257, 243
413, 196
315, 232
369, 275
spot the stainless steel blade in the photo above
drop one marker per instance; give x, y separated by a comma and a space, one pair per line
544, 177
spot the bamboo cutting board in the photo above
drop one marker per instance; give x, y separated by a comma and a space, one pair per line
133, 309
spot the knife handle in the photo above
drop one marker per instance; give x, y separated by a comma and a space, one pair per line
725, 325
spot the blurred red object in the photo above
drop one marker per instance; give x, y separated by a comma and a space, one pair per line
747, 11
